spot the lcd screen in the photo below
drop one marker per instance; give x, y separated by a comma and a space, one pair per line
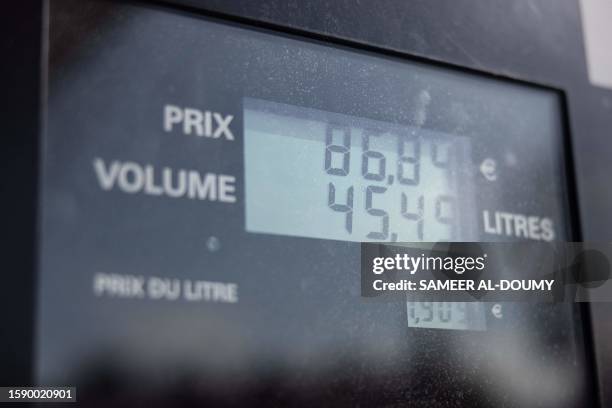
447, 315
349, 178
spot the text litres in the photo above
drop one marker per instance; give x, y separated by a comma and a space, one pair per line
132, 178
201, 123
518, 225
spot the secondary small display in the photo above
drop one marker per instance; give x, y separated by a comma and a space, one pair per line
348, 178
447, 315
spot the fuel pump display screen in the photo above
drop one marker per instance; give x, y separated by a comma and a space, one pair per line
447, 315
350, 178
205, 189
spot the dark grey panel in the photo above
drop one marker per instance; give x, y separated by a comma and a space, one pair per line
310, 338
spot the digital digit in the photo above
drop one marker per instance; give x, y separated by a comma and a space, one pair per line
461, 308
411, 312
428, 306
440, 160
371, 154
344, 149
408, 163
414, 216
347, 208
377, 212
446, 216
444, 311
